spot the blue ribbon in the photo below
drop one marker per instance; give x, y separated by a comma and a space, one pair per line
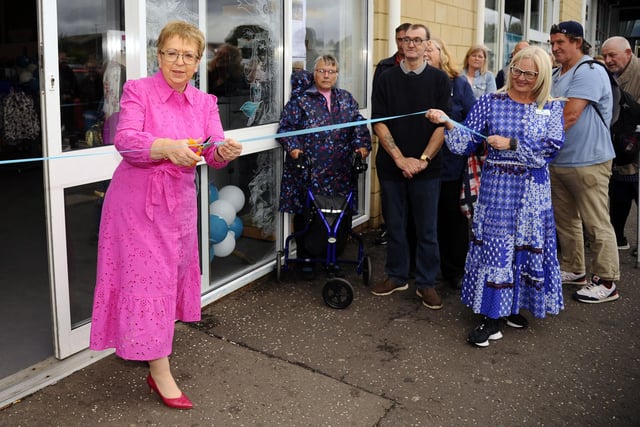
255, 138
461, 126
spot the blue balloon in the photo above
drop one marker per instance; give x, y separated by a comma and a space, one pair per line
213, 193
211, 252
237, 227
218, 228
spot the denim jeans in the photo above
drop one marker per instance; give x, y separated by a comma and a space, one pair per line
421, 196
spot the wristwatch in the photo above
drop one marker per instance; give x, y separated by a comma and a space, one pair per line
513, 143
426, 158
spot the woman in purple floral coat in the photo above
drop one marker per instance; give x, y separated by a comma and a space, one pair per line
316, 102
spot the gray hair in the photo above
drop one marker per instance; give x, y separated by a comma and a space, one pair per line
327, 59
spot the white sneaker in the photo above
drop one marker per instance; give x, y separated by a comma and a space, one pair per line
569, 278
596, 292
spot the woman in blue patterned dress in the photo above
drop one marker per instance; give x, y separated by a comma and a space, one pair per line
512, 262
316, 102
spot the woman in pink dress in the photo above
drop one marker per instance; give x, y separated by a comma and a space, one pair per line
148, 275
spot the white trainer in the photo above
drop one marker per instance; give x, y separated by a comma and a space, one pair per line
569, 278
596, 292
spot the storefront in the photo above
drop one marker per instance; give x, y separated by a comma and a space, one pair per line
63, 64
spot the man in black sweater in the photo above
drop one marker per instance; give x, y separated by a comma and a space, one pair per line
408, 166
382, 66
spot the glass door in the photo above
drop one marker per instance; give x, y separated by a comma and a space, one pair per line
25, 305
84, 70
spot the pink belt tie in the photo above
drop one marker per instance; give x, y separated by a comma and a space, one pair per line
162, 182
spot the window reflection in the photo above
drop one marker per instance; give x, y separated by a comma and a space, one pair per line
91, 70
244, 68
491, 32
83, 208
333, 27
243, 238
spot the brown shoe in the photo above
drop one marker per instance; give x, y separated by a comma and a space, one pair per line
430, 298
388, 287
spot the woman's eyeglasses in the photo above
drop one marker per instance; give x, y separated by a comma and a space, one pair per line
324, 71
172, 56
528, 75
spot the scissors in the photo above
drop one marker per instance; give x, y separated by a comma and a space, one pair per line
201, 146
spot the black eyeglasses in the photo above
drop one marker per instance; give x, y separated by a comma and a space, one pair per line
172, 56
416, 40
528, 75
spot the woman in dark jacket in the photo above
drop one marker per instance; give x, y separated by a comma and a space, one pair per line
316, 102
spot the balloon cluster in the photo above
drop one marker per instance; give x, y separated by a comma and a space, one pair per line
224, 224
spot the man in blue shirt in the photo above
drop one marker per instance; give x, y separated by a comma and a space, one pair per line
580, 173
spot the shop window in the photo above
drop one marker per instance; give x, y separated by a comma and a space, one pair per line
338, 28
243, 214
91, 69
491, 14
535, 15
244, 61
83, 209
513, 28
333, 27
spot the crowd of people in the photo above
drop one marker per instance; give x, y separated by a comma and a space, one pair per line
546, 182
550, 182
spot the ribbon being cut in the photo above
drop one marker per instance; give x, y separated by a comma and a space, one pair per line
206, 144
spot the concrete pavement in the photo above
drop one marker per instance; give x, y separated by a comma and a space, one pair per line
274, 354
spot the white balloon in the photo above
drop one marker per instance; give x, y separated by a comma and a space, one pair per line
233, 195
223, 209
225, 247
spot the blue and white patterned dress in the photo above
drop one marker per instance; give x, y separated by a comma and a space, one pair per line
512, 261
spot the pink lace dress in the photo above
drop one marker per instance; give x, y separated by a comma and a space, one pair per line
148, 275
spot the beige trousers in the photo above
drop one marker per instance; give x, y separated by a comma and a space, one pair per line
580, 197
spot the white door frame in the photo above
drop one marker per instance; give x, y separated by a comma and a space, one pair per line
63, 170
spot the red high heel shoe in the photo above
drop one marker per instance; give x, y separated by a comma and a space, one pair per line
181, 402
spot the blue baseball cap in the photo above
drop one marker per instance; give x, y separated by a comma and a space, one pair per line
569, 28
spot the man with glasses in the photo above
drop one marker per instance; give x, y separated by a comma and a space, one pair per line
580, 173
394, 59
408, 165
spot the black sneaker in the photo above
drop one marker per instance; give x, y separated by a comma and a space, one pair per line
489, 329
517, 321
623, 244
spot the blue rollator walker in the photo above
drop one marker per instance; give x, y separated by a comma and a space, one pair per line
326, 231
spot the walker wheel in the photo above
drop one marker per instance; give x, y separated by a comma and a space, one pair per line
337, 293
279, 256
366, 270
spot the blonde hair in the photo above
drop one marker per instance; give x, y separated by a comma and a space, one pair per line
542, 87
448, 64
186, 31
473, 49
